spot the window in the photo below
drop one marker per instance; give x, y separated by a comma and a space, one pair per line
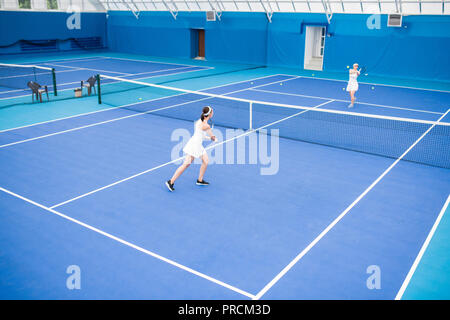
52, 4
25, 4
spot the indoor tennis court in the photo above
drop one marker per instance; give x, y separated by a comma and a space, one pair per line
317, 190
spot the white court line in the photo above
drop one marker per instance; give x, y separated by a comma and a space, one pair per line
69, 83
152, 61
103, 110
25, 66
96, 124
124, 75
118, 72
288, 106
131, 245
422, 251
339, 218
121, 118
124, 78
162, 75
92, 112
212, 146
373, 84
26, 75
86, 69
71, 59
163, 70
81, 69
359, 102
9, 91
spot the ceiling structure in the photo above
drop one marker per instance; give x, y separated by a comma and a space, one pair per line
328, 7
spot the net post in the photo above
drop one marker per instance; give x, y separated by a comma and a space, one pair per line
55, 91
251, 117
98, 89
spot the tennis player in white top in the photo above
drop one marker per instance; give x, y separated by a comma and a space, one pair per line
194, 148
352, 85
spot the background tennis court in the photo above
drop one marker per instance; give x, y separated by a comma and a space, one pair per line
355, 190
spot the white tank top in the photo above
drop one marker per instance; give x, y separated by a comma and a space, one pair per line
198, 132
353, 77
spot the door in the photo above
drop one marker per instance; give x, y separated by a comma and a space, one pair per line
314, 48
198, 43
201, 43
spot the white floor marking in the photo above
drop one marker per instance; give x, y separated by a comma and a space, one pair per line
339, 218
131, 245
422, 251
212, 146
347, 101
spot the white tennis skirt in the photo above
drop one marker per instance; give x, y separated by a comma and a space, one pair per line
194, 147
352, 86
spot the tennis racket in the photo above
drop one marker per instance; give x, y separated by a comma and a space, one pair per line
363, 70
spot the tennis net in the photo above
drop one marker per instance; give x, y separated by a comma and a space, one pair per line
16, 76
367, 133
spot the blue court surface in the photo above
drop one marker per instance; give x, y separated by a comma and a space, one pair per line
338, 203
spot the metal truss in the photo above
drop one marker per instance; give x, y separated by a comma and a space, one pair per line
269, 7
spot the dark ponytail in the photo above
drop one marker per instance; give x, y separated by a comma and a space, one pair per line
205, 111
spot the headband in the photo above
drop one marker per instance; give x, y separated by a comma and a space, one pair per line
209, 111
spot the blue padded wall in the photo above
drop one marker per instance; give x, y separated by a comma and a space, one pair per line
419, 50
238, 37
32, 26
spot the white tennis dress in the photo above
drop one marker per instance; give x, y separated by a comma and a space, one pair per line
352, 82
194, 146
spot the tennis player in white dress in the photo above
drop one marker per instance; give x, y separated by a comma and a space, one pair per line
352, 85
194, 148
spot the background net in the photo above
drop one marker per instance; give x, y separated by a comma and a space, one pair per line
15, 76
372, 134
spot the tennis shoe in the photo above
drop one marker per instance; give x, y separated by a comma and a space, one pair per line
202, 183
170, 186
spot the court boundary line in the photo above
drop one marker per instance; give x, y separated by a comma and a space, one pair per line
374, 84
136, 114
346, 101
71, 59
124, 76
121, 74
152, 61
82, 114
212, 146
122, 118
108, 57
293, 262
422, 251
131, 245
283, 105
73, 69
104, 58
88, 113
164, 70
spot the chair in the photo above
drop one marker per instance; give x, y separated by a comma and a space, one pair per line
89, 84
37, 90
